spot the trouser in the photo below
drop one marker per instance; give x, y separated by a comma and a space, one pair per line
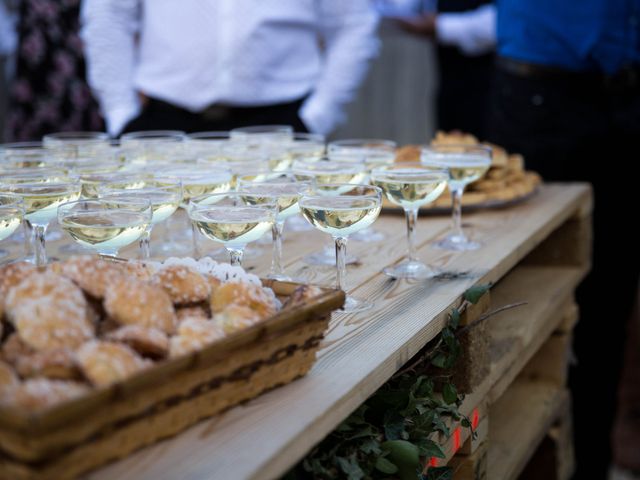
583, 127
159, 115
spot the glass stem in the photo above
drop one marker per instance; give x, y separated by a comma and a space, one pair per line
276, 258
412, 219
196, 244
235, 254
456, 199
144, 244
39, 246
27, 231
341, 264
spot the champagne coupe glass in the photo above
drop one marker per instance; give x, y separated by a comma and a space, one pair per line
24, 155
197, 180
374, 153
233, 219
341, 210
325, 171
106, 225
76, 144
207, 146
11, 213
41, 195
304, 145
285, 188
466, 164
164, 195
262, 134
410, 185
152, 146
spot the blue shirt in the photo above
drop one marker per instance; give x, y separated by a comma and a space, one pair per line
580, 35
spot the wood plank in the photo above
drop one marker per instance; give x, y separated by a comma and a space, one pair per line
519, 421
263, 438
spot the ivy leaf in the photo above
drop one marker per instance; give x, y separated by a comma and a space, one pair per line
465, 422
454, 319
385, 466
370, 445
429, 448
474, 293
365, 432
439, 360
350, 467
439, 473
449, 393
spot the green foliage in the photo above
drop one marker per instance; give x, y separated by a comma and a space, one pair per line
388, 437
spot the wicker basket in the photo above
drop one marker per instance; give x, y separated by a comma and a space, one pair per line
112, 422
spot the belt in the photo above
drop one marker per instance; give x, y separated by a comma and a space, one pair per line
627, 78
219, 111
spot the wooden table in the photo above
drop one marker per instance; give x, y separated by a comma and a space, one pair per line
268, 435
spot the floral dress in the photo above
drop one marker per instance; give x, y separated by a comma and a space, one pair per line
49, 92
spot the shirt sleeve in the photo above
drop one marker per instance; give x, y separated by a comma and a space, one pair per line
108, 30
8, 34
348, 33
473, 32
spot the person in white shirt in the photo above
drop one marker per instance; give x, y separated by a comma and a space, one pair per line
198, 65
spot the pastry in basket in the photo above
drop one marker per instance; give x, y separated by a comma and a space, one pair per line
147, 341
104, 363
301, 294
91, 274
183, 284
236, 317
14, 348
182, 313
39, 393
132, 302
59, 363
49, 312
194, 334
248, 295
10, 276
8, 378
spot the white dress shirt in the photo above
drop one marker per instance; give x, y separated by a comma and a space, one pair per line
194, 53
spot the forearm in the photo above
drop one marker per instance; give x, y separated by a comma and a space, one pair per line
350, 44
108, 31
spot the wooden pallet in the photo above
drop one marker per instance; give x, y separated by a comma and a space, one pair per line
522, 407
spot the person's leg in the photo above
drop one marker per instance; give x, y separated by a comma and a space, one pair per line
563, 131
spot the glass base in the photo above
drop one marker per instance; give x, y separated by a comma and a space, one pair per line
368, 235
327, 258
410, 269
354, 304
458, 243
221, 255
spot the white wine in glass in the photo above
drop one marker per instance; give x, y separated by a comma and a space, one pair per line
233, 219
410, 185
284, 190
105, 225
11, 214
41, 197
466, 164
341, 210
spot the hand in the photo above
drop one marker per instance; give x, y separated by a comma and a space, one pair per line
144, 100
424, 25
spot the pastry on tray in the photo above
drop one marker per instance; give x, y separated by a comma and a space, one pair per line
87, 323
506, 181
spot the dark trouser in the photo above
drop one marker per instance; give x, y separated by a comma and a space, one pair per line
463, 91
159, 115
580, 127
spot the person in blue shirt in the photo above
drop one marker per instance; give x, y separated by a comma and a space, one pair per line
566, 94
